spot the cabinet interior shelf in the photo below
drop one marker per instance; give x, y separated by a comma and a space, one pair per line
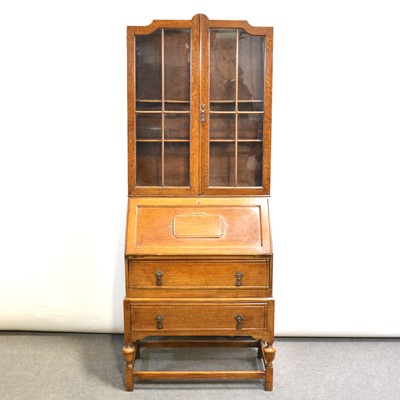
188, 112
188, 101
233, 140
211, 140
163, 186
236, 112
234, 101
161, 111
165, 140
165, 101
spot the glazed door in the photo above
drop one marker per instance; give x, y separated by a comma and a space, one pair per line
236, 102
199, 119
163, 119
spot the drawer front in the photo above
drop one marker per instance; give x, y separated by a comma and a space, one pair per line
199, 318
200, 274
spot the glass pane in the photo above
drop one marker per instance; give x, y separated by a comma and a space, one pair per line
222, 106
222, 64
176, 168
249, 164
148, 164
177, 64
148, 105
175, 106
148, 126
251, 105
251, 66
250, 126
148, 66
222, 164
177, 126
222, 126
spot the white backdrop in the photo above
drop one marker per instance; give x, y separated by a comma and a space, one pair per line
335, 171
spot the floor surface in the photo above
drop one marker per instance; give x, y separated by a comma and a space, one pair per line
90, 366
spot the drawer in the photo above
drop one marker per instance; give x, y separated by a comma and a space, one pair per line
205, 274
199, 318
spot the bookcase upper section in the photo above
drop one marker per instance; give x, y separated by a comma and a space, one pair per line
199, 108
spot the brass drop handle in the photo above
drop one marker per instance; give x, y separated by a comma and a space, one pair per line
203, 113
159, 320
238, 276
239, 320
158, 274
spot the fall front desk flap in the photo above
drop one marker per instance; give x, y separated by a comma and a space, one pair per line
198, 226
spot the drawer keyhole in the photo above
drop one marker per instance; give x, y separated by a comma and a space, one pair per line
238, 276
159, 320
158, 274
239, 320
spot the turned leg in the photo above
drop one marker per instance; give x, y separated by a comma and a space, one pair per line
129, 354
269, 355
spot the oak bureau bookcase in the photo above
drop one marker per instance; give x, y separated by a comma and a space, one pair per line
198, 252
